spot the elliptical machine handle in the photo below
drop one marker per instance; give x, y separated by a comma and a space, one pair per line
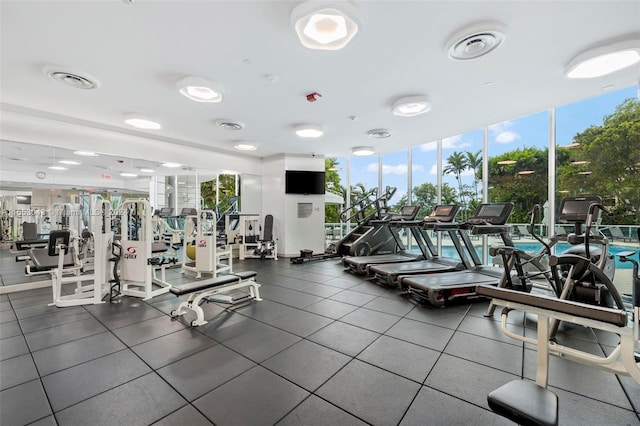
589, 222
533, 216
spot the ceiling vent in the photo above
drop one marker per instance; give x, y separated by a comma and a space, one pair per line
229, 125
475, 41
72, 79
379, 133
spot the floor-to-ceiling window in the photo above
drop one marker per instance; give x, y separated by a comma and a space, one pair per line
461, 166
598, 154
519, 168
424, 177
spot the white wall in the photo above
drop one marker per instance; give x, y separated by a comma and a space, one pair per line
294, 233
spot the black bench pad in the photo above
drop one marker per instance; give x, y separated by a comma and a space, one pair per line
525, 403
214, 282
609, 315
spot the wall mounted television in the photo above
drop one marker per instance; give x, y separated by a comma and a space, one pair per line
304, 182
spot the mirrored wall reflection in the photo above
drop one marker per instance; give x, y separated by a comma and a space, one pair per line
181, 193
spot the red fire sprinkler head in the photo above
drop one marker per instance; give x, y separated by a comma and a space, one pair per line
312, 97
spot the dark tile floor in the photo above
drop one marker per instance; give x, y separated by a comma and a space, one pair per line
324, 347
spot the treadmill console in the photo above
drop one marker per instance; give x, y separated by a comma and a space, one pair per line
188, 211
405, 213
492, 214
166, 212
576, 209
443, 213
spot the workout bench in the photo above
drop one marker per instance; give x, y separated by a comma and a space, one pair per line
530, 403
206, 289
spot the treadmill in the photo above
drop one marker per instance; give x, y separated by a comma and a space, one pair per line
393, 224
438, 289
388, 273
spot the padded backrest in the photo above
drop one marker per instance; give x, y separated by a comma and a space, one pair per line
57, 238
29, 231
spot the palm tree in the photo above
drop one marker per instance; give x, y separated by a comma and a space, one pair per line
456, 164
474, 162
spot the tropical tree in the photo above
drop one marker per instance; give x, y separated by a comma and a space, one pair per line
519, 177
426, 195
605, 161
456, 165
333, 184
474, 162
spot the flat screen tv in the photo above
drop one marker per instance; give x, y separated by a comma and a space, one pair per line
304, 182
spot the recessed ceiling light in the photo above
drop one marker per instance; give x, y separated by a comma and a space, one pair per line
325, 28
604, 60
573, 145
507, 162
475, 41
379, 133
526, 172
147, 170
85, 153
309, 131
171, 165
411, 106
245, 146
141, 122
73, 79
363, 151
128, 174
70, 162
57, 168
579, 163
200, 90
229, 124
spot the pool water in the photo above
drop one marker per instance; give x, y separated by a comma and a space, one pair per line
448, 251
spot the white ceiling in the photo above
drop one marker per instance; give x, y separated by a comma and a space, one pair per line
138, 52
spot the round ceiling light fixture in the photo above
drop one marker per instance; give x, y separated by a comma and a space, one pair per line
363, 151
199, 89
73, 79
604, 60
410, 106
325, 26
379, 133
244, 146
142, 122
475, 41
309, 131
229, 124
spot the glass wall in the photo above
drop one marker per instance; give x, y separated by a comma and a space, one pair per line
519, 167
598, 154
394, 174
595, 151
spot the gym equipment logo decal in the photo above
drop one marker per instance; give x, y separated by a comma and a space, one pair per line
131, 253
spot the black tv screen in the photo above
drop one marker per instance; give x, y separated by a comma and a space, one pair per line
304, 182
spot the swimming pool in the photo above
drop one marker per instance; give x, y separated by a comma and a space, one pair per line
449, 251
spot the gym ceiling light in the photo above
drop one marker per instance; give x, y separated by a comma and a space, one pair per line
411, 106
309, 131
125, 174
70, 162
199, 89
363, 151
604, 60
325, 26
141, 122
245, 146
85, 153
171, 165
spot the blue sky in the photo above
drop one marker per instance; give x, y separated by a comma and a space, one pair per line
529, 131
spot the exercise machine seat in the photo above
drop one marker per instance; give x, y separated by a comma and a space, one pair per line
525, 403
214, 282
